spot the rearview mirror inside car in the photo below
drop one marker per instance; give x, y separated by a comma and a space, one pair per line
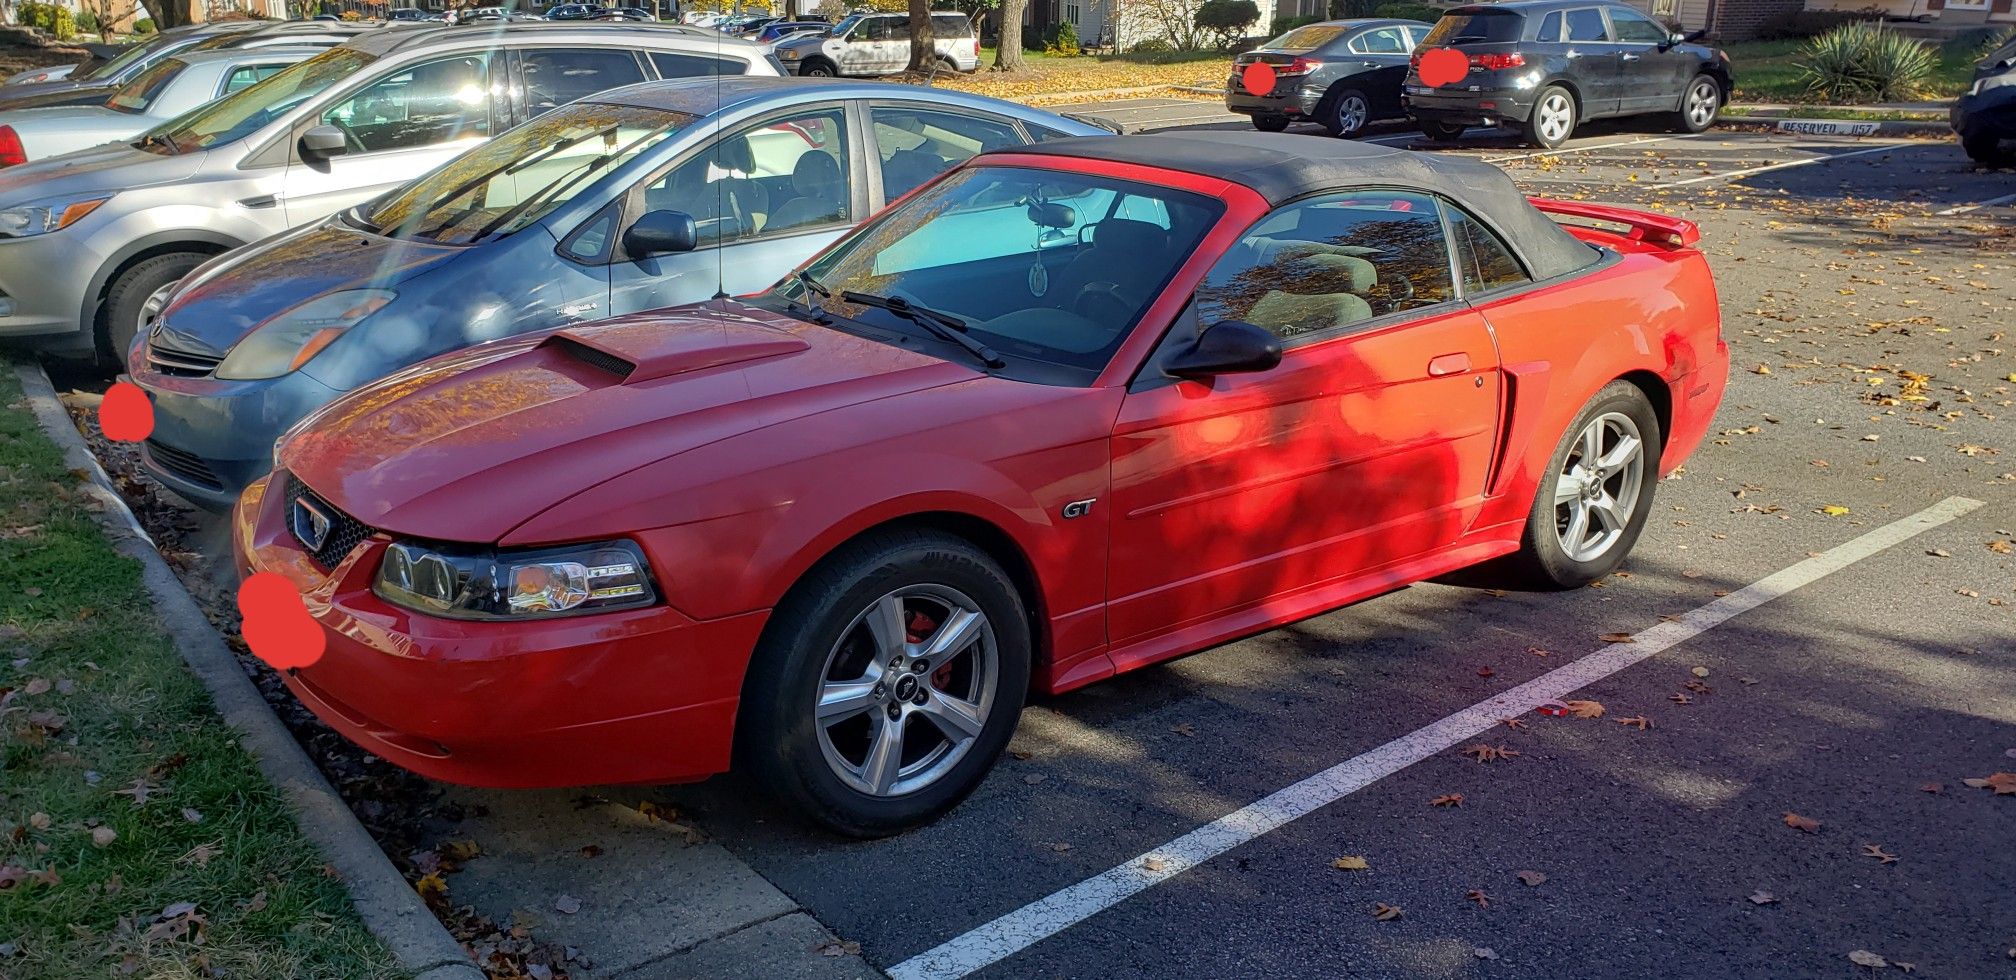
1230, 347
323, 142
661, 233
1047, 215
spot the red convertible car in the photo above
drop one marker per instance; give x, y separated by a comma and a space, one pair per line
1067, 411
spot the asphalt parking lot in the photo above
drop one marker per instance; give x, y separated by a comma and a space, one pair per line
1820, 620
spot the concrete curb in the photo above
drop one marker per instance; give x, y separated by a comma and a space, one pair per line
1840, 127
388, 906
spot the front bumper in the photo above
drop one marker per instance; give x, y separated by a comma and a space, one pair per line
43, 282
1485, 107
639, 696
212, 437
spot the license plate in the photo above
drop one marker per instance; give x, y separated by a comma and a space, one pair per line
1419, 90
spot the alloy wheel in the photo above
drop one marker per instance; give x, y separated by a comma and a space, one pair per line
906, 690
1557, 116
1701, 104
1597, 490
1352, 114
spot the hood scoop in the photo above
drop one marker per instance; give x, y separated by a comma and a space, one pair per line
638, 350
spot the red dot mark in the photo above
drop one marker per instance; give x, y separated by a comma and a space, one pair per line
1258, 78
277, 625
125, 415
1444, 66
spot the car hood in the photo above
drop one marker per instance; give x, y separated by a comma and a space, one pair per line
469, 445
61, 91
226, 301
110, 168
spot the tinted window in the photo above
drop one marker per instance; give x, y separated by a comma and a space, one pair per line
1485, 260
425, 105
1416, 36
951, 25
246, 75
690, 65
242, 113
781, 176
916, 145
1550, 27
1332, 262
557, 76
1385, 40
1495, 26
137, 94
1633, 27
1587, 25
1306, 38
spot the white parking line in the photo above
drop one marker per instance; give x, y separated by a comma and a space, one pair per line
1586, 149
1886, 148
2004, 199
1048, 916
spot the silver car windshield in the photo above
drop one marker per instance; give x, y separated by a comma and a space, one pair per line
249, 109
105, 70
135, 96
518, 178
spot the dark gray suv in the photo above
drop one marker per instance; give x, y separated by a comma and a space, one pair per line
1545, 66
1340, 73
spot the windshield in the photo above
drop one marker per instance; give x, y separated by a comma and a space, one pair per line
107, 70
846, 24
1044, 265
511, 182
135, 96
248, 110
1306, 38
1495, 26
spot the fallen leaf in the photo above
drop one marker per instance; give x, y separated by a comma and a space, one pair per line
1512, 723
1154, 863
201, 854
2002, 547
1585, 709
192, 814
1184, 729
1701, 672
1477, 895
567, 905
1351, 862
1932, 788
460, 851
1618, 638
1876, 851
1489, 753
36, 685
1833, 510
1679, 699
432, 888
591, 850
2003, 783
1863, 957
1484, 953
38, 820
1797, 822
1531, 878
103, 836
1034, 778
1640, 722
1384, 912
254, 904
140, 791
1762, 897
1906, 967
1447, 799
1762, 369
838, 947
1486, 672
1060, 847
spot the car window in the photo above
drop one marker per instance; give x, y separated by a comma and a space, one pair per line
1416, 36
1306, 38
246, 111
951, 26
1332, 262
557, 76
1385, 40
1587, 24
244, 76
1066, 289
671, 65
1495, 26
1633, 27
136, 95
786, 175
426, 104
876, 29
1550, 27
916, 145
133, 54
1485, 260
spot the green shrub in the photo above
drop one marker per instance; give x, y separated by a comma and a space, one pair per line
1988, 41
1153, 45
1409, 11
1065, 43
48, 18
1228, 20
144, 25
1866, 62
87, 22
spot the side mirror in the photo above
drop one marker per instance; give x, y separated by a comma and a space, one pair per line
661, 233
323, 142
1230, 347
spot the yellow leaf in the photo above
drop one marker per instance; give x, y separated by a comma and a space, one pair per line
432, 887
1585, 709
1833, 510
1350, 862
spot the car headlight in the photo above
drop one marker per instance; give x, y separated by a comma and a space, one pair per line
532, 583
788, 54
43, 217
291, 338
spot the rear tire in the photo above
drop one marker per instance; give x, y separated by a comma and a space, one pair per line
1347, 115
1984, 147
1270, 124
1554, 117
811, 723
1699, 106
819, 68
119, 316
1442, 132
1603, 506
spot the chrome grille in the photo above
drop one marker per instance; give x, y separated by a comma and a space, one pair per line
180, 363
345, 532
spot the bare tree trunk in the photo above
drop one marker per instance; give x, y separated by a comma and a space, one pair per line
1008, 53
172, 13
923, 47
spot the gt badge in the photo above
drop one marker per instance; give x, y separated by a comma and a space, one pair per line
1078, 508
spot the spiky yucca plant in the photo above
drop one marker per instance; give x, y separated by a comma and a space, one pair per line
1866, 62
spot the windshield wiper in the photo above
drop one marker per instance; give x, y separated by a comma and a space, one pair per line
161, 140
944, 326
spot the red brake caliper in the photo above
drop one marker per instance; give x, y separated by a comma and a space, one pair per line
916, 629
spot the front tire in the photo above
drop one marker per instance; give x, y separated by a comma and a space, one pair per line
820, 68
126, 303
1553, 119
1270, 124
1441, 132
1596, 496
1983, 146
1349, 113
1699, 106
887, 683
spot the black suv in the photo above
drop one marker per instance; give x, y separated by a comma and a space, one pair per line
1341, 73
1547, 65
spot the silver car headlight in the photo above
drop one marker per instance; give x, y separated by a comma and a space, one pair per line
290, 339
533, 583
43, 217
789, 54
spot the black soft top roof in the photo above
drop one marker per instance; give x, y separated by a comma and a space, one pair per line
1282, 168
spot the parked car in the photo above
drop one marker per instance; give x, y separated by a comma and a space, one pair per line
1547, 66
572, 11
1342, 74
879, 44
406, 15
1985, 117
87, 238
779, 30
175, 85
105, 76
248, 34
747, 179
631, 14
1066, 412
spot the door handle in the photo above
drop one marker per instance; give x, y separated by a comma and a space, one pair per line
1630, 57
1448, 364
1572, 54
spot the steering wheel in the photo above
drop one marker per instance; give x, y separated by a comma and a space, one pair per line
349, 136
1403, 295
1101, 302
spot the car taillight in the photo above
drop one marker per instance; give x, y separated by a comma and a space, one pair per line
1498, 62
1300, 66
11, 153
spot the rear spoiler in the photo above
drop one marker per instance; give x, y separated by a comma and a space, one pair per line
1658, 229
